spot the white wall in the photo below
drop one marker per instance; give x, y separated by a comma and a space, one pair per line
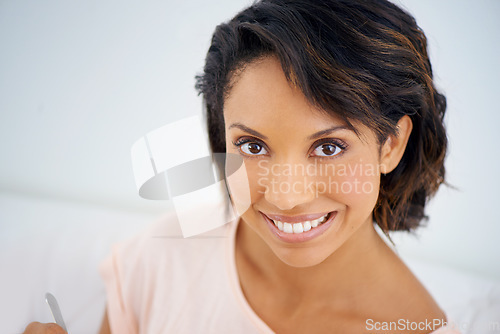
80, 81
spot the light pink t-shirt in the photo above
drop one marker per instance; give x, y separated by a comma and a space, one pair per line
159, 282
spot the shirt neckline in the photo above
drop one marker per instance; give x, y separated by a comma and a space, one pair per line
235, 281
240, 297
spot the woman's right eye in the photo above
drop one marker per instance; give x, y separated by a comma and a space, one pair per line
252, 148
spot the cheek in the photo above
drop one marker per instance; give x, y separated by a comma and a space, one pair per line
258, 178
238, 182
356, 184
246, 179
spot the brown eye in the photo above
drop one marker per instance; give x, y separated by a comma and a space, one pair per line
253, 148
327, 150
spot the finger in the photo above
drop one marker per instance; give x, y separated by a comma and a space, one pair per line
39, 328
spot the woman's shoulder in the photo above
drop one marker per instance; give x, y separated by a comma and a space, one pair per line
162, 242
406, 301
162, 268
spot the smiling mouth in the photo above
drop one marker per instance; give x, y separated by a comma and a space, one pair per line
300, 227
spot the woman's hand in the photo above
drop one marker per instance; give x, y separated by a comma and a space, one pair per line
39, 328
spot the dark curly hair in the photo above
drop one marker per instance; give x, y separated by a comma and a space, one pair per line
363, 60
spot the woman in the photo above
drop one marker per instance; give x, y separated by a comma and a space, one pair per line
332, 107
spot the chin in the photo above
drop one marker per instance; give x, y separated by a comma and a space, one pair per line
302, 258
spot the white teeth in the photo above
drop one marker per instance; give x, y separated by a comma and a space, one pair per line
307, 226
287, 228
299, 227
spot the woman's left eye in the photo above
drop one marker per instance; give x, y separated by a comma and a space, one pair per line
327, 150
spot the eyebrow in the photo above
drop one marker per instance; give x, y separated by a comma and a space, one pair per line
311, 137
247, 129
328, 131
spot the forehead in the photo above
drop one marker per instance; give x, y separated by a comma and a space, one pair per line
260, 93
261, 97
261, 88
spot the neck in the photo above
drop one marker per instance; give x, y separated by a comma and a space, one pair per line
347, 271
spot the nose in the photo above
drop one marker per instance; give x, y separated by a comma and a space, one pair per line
289, 187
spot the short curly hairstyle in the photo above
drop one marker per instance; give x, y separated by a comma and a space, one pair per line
363, 60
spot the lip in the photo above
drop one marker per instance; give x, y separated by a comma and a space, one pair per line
299, 237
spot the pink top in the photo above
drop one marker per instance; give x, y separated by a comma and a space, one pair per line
160, 283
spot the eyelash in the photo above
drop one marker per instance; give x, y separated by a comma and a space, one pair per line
336, 142
246, 140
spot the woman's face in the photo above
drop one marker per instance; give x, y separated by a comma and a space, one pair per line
313, 181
